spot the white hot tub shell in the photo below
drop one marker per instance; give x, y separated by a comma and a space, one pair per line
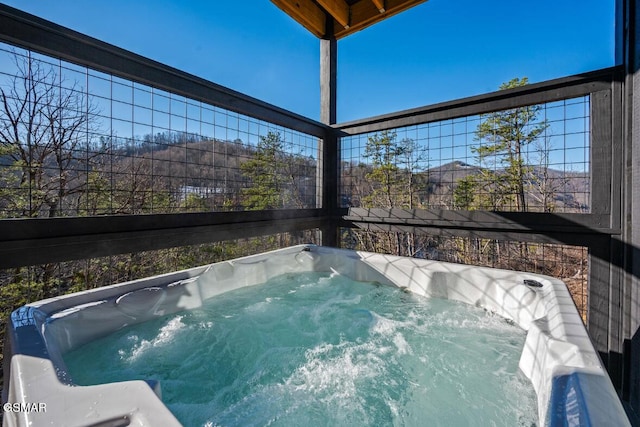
558, 357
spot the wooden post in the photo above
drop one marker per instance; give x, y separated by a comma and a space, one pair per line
328, 80
328, 151
628, 55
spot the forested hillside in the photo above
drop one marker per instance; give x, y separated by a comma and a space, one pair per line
58, 159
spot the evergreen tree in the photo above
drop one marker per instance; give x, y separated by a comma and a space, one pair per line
271, 175
391, 178
503, 137
384, 176
464, 193
505, 177
392, 173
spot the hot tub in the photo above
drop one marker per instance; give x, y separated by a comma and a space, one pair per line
571, 384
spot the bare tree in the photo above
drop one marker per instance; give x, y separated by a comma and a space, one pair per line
544, 186
45, 127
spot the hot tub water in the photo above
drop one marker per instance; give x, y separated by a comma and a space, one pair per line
314, 348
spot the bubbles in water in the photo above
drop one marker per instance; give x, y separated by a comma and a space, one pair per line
319, 349
164, 337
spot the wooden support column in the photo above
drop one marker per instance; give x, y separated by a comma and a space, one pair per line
628, 54
328, 181
328, 80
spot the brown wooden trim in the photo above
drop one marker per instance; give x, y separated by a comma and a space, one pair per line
307, 13
380, 5
338, 9
366, 13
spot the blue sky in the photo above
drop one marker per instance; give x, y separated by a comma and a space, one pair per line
438, 51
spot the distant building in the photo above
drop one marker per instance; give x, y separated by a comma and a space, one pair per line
202, 192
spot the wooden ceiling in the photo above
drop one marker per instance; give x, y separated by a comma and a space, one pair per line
339, 18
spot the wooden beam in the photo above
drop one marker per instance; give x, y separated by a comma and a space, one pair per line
45, 240
512, 222
307, 13
531, 94
339, 9
328, 80
366, 13
314, 15
380, 5
477, 233
30, 32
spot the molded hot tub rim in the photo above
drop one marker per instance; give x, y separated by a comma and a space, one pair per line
558, 357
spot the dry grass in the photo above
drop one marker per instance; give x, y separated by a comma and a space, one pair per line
578, 289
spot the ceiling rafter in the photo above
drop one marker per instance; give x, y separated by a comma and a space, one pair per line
365, 13
339, 9
307, 13
339, 18
380, 5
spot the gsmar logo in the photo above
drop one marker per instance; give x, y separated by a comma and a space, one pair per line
25, 407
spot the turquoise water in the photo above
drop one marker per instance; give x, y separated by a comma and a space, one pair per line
313, 349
